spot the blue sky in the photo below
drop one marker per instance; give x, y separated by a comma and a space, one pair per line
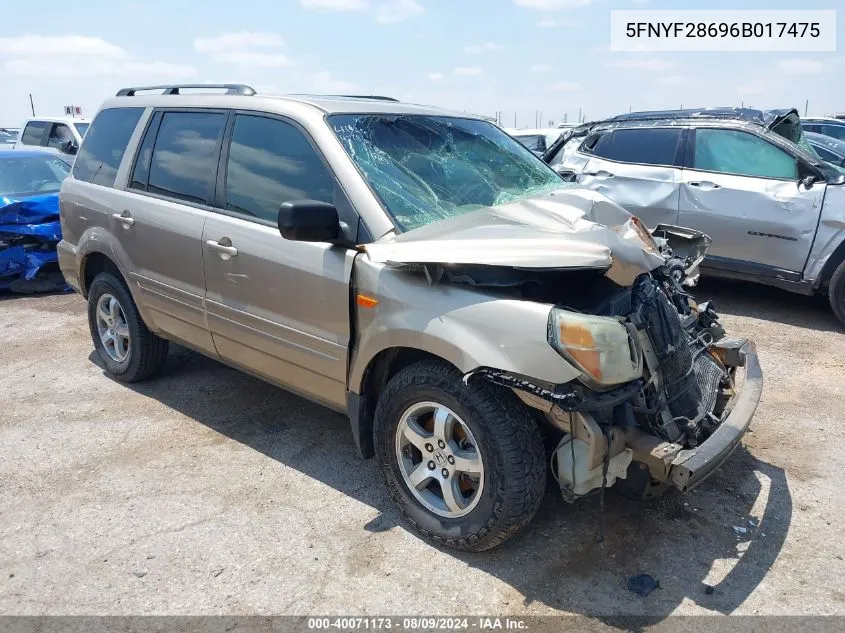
513, 56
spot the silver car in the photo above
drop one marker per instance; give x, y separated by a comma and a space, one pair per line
421, 272
773, 208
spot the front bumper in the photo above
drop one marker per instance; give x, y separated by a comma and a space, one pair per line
68, 256
693, 466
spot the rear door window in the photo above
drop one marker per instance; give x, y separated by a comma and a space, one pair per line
105, 144
742, 154
647, 146
60, 133
33, 132
184, 159
271, 162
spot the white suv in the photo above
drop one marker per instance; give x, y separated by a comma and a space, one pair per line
59, 133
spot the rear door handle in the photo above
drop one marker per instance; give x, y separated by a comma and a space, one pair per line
124, 218
705, 185
223, 247
601, 173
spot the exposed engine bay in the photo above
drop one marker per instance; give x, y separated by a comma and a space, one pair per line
641, 429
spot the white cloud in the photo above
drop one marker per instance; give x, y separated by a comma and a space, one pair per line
486, 47
236, 41
385, 12
254, 59
566, 86
540, 68
800, 66
324, 82
552, 5
81, 56
27, 46
640, 63
239, 49
435, 76
549, 23
467, 70
80, 67
397, 11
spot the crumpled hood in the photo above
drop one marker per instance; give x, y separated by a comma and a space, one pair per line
31, 215
571, 228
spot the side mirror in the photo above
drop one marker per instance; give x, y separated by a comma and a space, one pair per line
309, 221
68, 147
808, 181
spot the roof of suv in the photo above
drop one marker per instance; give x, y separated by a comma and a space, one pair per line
763, 118
329, 104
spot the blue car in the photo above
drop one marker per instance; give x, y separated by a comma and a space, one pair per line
834, 128
29, 219
828, 148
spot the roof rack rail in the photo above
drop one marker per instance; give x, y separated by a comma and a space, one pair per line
231, 89
376, 97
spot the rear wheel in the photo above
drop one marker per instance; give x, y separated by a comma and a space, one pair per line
126, 347
464, 462
836, 292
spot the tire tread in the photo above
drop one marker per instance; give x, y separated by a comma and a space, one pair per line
517, 435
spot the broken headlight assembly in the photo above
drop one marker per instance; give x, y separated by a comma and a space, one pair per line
603, 348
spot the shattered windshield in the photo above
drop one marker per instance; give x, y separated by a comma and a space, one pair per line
429, 168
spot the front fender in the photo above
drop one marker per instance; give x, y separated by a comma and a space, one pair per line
465, 326
830, 237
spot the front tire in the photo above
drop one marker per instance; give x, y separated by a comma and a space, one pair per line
836, 292
128, 350
489, 468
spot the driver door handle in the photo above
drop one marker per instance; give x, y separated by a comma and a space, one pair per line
224, 247
124, 218
601, 173
705, 185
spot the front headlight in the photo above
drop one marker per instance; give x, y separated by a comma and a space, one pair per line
601, 347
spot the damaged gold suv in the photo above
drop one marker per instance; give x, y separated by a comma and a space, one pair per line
418, 270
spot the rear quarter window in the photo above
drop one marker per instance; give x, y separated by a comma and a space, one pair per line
105, 144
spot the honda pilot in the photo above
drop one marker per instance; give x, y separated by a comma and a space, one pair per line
419, 271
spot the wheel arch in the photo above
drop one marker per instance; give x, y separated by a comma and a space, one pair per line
832, 263
361, 403
94, 263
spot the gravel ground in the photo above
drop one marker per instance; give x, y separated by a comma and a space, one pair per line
206, 491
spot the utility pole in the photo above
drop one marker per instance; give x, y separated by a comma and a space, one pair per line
579, 115
806, 107
514, 118
31, 104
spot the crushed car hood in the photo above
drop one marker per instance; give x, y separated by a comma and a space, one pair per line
569, 228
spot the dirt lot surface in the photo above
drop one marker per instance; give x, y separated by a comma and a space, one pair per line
206, 491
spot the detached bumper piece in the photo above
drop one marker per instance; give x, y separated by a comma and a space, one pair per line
693, 466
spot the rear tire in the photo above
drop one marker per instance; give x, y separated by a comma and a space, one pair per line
487, 423
836, 292
129, 351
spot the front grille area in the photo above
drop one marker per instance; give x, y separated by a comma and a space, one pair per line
689, 377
